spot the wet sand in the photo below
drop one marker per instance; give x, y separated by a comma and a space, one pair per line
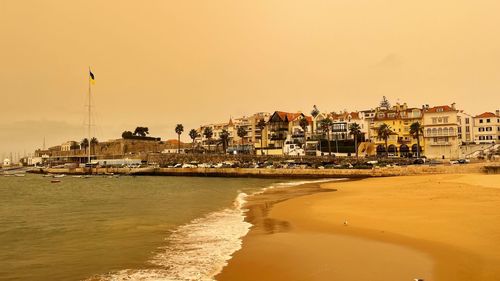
434, 227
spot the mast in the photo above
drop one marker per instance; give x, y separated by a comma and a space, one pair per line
90, 120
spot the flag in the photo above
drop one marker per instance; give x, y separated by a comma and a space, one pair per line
91, 77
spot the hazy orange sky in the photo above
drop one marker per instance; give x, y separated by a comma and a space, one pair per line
158, 63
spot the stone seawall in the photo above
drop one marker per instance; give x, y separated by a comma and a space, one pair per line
286, 173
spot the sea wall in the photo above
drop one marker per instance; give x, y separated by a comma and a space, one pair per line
284, 172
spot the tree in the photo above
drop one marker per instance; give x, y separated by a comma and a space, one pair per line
383, 132
355, 130
141, 131
224, 138
179, 129
208, 133
326, 125
193, 134
261, 125
242, 132
416, 130
385, 103
314, 112
303, 123
127, 135
84, 144
93, 142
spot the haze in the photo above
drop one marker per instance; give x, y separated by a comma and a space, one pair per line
158, 63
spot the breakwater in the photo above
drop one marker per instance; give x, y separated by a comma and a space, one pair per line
281, 172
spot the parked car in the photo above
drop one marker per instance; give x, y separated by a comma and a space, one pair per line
419, 161
463, 161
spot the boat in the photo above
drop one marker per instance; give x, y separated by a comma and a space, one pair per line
55, 181
77, 176
59, 176
19, 175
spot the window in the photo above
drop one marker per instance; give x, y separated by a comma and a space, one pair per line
466, 120
467, 129
434, 120
487, 120
480, 120
459, 130
381, 115
445, 119
429, 132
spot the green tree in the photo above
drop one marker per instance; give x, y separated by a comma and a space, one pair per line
208, 133
141, 131
314, 112
261, 125
416, 130
193, 134
242, 132
303, 123
84, 144
224, 138
355, 131
326, 125
179, 129
383, 133
93, 143
127, 135
385, 103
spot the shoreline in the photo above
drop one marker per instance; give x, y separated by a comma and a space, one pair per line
280, 172
438, 222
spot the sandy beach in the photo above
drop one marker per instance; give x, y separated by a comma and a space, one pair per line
433, 227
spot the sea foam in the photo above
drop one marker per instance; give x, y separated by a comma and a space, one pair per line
200, 249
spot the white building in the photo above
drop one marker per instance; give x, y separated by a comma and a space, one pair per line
487, 127
441, 132
465, 128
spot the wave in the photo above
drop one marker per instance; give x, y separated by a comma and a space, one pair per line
200, 249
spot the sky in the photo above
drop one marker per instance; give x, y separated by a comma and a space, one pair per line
158, 62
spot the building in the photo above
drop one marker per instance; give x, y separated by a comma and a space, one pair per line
465, 128
399, 119
487, 128
283, 126
441, 132
70, 145
342, 122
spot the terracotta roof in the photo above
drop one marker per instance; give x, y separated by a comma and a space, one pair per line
486, 114
345, 115
172, 142
441, 108
288, 116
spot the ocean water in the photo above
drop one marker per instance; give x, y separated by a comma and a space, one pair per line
126, 228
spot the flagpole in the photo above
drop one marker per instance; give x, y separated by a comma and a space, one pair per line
90, 91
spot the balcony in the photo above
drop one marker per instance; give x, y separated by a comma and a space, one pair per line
438, 135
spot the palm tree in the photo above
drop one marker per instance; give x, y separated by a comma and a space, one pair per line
93, 142
326, 125
84, 144
208, 133
179, 129
415, 130
193, 134
242, 132
261, 125
383, 132
314, 112
355, 130
303, 123
224, 137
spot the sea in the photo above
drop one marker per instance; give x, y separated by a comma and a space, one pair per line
122, 228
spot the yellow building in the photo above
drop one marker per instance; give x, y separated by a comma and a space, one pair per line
399, 119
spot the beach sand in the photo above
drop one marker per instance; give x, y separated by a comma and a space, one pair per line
434, 227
